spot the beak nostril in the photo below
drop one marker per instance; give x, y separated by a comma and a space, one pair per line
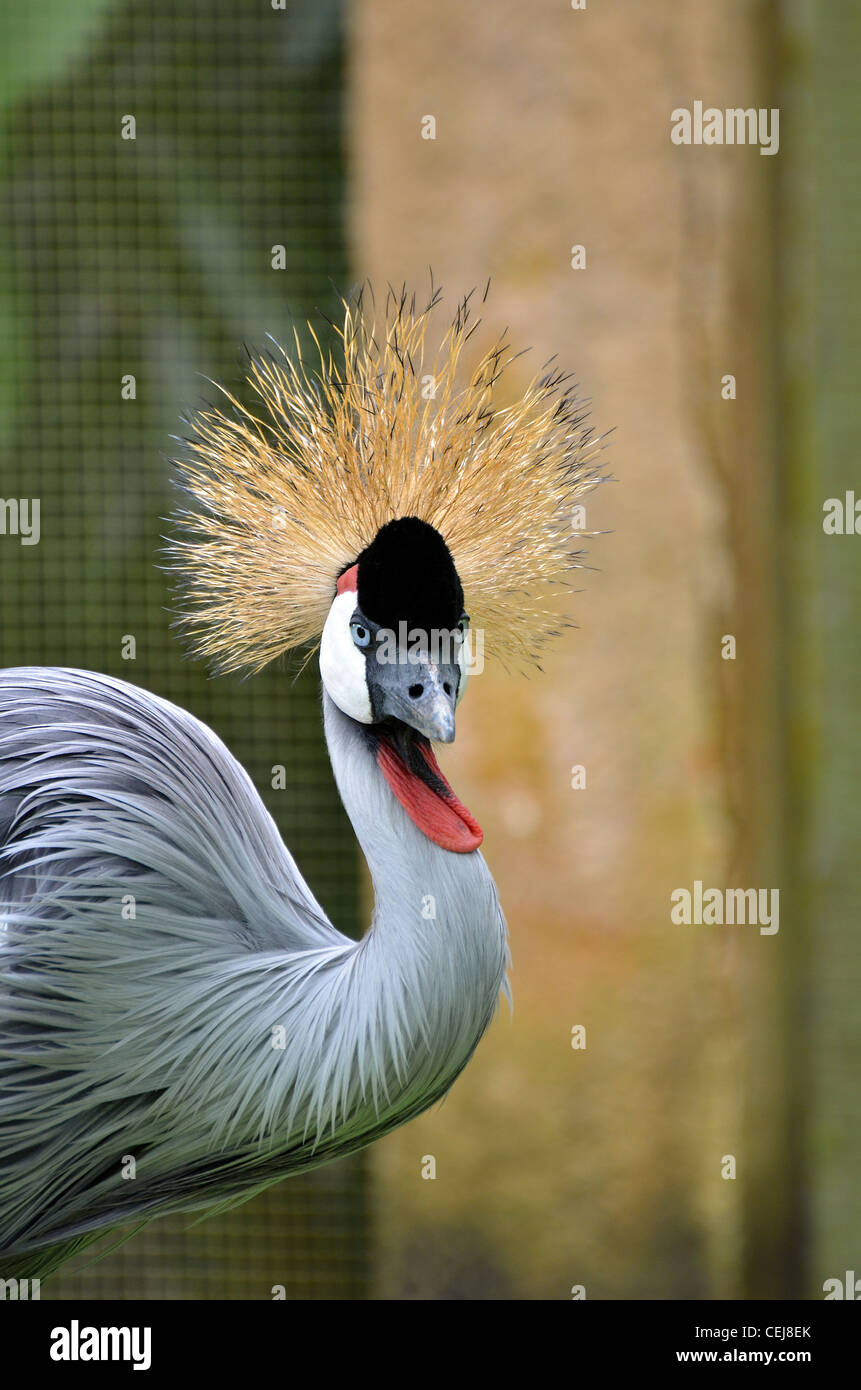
416, 691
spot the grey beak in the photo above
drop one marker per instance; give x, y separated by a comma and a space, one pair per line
420, 693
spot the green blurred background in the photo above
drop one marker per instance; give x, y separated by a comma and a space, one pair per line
301, 127
152, 258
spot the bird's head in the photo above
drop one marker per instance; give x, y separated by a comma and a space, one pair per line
370, 504
394, 656
394, 645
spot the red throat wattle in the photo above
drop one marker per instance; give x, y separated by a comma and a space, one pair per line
439, 814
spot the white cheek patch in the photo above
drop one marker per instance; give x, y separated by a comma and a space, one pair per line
342, 663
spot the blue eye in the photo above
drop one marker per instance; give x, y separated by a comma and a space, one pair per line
361, 634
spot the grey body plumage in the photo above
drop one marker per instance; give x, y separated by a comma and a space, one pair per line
156, 936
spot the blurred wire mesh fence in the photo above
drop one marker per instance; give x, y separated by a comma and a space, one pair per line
154, 158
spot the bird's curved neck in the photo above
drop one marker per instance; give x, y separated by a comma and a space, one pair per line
436, 913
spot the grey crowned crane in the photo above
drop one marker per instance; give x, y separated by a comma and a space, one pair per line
223, 1033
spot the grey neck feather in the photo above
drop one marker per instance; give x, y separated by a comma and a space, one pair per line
437, 928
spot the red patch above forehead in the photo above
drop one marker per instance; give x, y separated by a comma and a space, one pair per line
348, 580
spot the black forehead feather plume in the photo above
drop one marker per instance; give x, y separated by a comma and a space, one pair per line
407, 575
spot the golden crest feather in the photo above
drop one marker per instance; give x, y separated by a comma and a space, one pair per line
284, 496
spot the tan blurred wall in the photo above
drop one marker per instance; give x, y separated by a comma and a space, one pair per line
603, 1168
